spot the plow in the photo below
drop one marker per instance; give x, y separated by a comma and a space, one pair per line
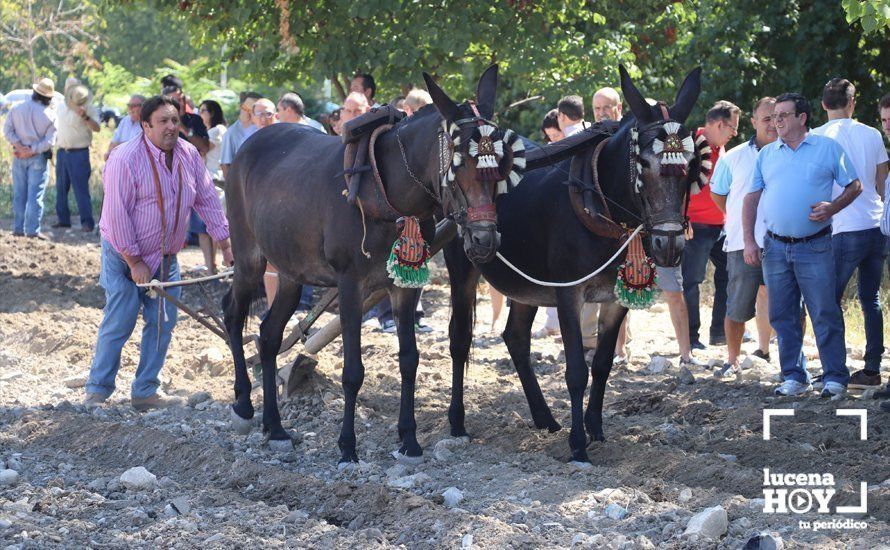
291, 375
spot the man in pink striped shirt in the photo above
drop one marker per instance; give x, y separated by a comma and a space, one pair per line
141, 234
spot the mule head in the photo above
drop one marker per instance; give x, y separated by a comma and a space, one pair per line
484, 160
665, 161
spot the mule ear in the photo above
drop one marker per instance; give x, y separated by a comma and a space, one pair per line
446, 106
687, 95
635, 100
486, 92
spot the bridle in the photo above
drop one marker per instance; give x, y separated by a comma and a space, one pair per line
655, 225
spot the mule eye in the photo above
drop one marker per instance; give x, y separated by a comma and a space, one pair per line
643, 162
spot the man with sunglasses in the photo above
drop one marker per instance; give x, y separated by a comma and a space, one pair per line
130, 126
794, 178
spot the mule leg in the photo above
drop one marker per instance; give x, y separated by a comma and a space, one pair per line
403, 301
353, 370
464, 279
517, 336
236, 306
271, 333
611, 316
569, 310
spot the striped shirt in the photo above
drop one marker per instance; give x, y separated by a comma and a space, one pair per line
131, 218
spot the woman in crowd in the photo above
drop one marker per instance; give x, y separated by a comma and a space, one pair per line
212, 115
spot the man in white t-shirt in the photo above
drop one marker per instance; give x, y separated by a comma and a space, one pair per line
746, 294
856, 239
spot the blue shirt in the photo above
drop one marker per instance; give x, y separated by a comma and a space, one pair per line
33, 124
127, 130
232, 140
793, 181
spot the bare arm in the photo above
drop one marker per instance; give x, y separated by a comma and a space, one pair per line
749, 220
720, 201
881, 178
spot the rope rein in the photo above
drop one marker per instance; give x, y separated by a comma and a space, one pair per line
579, 281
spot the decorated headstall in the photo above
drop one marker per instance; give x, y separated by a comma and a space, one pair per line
671, 151
499, 154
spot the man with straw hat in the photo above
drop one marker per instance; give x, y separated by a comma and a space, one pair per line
31, 130
77, 120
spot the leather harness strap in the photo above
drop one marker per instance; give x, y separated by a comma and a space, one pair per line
159, 191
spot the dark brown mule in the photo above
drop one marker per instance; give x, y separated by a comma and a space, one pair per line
542, 235
285, 206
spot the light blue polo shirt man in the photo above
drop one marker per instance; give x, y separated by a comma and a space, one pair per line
793, 181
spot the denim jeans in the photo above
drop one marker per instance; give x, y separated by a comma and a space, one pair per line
122, 302
29, 177
863, 250
807, 269
706, 242
73, 170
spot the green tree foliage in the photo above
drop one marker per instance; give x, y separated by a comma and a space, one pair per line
547, 48
139, 37
874, 15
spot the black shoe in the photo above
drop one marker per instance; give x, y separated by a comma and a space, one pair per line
885, 406
718, 340
762, 355
17, 234
86, 228
696, 344
883, 393
58, 225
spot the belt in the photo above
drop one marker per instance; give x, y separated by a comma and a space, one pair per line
708, 225
791, 240
74, 149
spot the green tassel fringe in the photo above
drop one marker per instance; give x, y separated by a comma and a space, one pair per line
633, 298
407, 276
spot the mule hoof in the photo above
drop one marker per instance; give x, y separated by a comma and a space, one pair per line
580, 465
554, 427
241, 426
407, 460
281, 445
460, 432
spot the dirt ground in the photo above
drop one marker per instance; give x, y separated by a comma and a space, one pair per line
674, 449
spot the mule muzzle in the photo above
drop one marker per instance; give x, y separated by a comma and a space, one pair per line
481, 237
667, 241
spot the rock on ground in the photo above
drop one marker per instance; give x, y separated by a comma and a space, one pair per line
710, 522
139, 479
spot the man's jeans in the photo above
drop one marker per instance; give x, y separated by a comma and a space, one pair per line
706, 242
73, 170
865, 250
29, 177
122, 301
792, 270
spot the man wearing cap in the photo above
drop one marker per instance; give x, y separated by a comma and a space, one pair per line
30, 128
77, 120
150, 184
238, 131
130, 126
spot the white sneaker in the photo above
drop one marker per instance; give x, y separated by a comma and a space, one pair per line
833, 390
793, 387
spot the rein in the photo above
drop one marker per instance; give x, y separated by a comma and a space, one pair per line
584, 279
